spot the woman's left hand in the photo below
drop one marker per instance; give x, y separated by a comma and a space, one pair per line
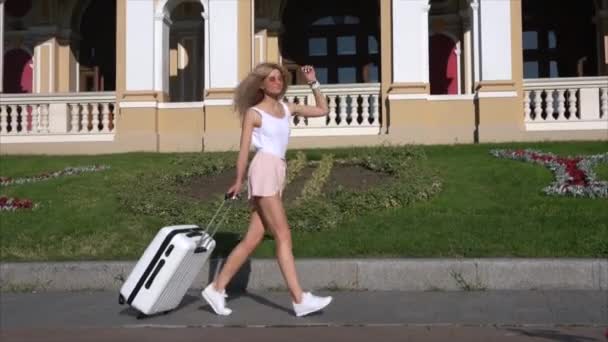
309, 73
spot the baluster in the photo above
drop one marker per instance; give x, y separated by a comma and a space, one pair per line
75, 117
105, 109
375, 109
561, 104
11, 119
96, 113
26, 119
112, 109
549, 105
604, 107
527, 109
538, 110
3, 118
332, 111
33, 115
87, 117
310, 100
18, 120
572, 102
41, 112
342, 110
44, 115
37, 119
365, 111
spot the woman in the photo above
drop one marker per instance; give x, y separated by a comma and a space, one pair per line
265, 124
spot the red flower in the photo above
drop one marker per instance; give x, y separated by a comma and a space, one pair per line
16, 203
567, 169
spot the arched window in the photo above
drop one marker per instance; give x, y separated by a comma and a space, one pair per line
186, 57
18, 71
443, 65
559, 40
446, 34
95, 22
340, 38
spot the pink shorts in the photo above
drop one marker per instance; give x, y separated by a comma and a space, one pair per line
266, 176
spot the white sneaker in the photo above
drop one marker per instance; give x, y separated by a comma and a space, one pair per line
216, 299
310, 303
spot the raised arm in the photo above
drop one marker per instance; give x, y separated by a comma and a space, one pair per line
321, 108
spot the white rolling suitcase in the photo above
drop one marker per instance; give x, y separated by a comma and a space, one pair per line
166, 270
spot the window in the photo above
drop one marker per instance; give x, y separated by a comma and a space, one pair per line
317, 46
530, 40
347, 45
340, 38
559, 41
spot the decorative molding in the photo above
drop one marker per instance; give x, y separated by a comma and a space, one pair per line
137, 104
408, 96
171, 105
56, 138
218, 102
567, 126
334, 131
496, 94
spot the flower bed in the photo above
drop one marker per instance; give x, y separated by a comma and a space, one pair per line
10, 203
68, 171
574, 175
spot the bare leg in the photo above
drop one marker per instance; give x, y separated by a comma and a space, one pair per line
241, 252
273, 215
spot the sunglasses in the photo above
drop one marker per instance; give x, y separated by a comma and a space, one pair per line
274, 79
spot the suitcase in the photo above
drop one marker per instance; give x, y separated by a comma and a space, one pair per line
169, 265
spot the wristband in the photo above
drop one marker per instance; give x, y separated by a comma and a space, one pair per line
314, 84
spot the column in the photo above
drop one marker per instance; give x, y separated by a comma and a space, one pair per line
475, 40
139, 45
601, 24
410, 41
459, 66
467, 50
495, 39
1, 44
223, 44
162, 27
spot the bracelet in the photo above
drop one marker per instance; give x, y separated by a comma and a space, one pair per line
314, 84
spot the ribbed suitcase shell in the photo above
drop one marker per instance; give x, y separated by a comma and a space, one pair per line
169, 265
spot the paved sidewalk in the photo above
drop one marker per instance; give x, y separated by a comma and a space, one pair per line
59, 310
316, 334
400, 274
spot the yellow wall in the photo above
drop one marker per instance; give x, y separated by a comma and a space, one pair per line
180, 130
137, 129
222, 129
121, 33
245, 37
45, 67
386, 54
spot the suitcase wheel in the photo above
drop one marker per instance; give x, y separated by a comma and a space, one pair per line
142, 315
121, 299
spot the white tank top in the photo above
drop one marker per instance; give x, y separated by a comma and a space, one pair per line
273, 134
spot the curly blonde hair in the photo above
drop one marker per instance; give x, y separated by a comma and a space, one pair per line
249, 93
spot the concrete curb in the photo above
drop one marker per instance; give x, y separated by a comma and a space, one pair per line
336, 274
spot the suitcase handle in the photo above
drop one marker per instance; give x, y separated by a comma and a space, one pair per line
228, 197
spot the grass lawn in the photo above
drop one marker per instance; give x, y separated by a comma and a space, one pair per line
488, 207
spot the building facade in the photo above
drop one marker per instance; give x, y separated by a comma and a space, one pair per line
106, 76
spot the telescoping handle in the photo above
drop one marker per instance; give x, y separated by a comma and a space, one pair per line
227, 198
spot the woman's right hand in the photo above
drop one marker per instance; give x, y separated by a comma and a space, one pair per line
234, 191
